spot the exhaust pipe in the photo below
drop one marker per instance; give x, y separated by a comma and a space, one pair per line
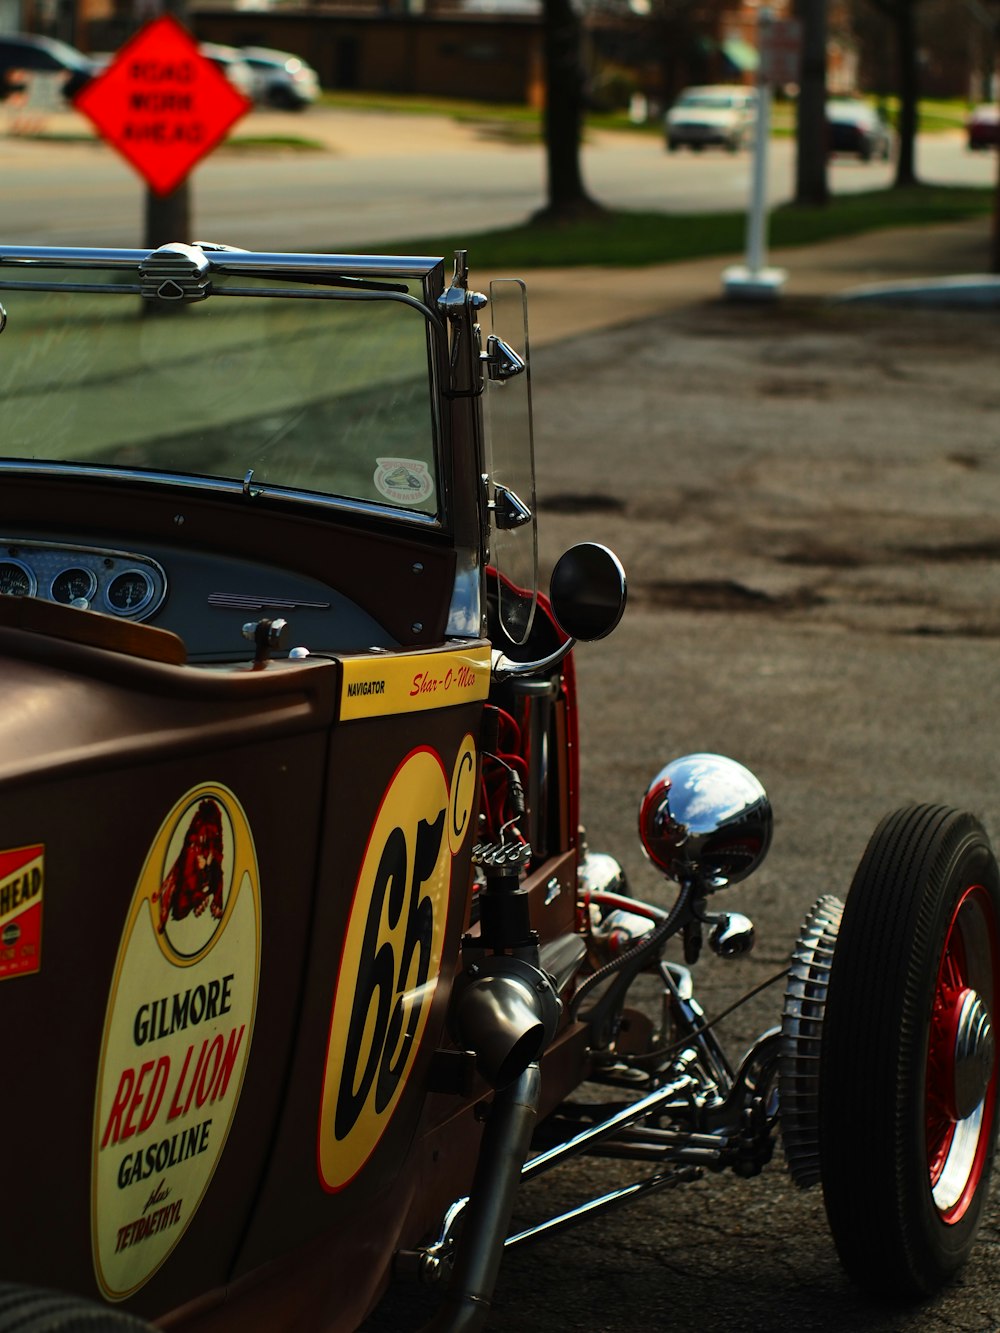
505, 1010
506, 1140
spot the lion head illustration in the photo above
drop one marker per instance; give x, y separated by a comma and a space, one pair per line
195, 879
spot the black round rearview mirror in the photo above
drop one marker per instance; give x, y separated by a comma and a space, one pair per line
587, 591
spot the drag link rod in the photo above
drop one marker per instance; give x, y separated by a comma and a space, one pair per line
628, 1115
614, 1199
709, 1158
646, 1143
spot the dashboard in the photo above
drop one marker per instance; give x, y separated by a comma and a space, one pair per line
205, 599
120, 583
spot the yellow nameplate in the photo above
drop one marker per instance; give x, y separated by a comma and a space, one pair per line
414, 682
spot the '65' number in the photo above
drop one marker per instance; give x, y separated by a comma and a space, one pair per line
391, 955
377, 1041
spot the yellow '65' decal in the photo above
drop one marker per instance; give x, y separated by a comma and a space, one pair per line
391, 956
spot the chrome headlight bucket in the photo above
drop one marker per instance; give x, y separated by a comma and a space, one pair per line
705, 820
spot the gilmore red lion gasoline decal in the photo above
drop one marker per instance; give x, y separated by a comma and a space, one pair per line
392, 955
176, 1036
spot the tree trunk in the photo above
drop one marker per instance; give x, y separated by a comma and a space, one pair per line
811, 187
904, 16
563, 120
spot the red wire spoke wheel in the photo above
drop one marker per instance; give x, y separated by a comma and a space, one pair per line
961, 1068
908, 1068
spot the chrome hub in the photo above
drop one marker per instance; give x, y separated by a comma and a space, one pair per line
974, 1053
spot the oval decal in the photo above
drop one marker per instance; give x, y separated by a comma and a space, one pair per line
176, 1036
391, 956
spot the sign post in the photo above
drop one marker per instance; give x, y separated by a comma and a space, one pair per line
778, 47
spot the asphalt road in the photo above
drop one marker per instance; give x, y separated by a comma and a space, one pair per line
383, 176
805, 499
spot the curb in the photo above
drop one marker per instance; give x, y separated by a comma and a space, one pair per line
972, 291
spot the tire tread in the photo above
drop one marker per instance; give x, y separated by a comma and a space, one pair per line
871, 1092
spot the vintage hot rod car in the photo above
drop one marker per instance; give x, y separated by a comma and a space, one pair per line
294, 893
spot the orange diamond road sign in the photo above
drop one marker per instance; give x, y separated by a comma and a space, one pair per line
162, 104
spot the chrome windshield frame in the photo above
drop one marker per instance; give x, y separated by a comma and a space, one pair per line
310, 273
248, 262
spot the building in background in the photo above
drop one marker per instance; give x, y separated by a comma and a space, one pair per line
637, 51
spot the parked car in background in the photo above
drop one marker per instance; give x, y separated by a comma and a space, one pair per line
281, 79
983, 126
856, 128
721, 115
229, 61
28, 54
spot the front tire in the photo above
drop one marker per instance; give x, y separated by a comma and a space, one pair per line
908, 1074
32, 1310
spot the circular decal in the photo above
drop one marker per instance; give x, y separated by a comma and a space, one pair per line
391, 956
176, 1037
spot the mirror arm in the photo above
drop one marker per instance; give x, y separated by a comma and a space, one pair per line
505, 668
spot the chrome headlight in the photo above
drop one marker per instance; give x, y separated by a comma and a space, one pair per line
705, 819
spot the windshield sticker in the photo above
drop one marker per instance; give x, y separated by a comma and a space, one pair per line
22, 880
404, 481
176, 1037
391, 957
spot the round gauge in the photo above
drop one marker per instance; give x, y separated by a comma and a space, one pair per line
74, 584
16, 580
129, 592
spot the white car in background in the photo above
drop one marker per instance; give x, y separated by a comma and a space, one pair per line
719, 115
280, 78
229, 61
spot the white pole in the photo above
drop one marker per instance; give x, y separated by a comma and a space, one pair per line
757, 215
754, 280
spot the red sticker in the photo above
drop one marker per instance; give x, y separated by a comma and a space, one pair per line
22, 880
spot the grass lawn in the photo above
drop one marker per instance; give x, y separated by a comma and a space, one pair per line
633, 239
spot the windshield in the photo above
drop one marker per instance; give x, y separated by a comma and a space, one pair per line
316, 391
514, 542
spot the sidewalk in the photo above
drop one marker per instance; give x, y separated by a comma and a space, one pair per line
579, 300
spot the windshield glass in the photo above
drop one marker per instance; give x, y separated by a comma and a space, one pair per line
514, 543
329, 395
